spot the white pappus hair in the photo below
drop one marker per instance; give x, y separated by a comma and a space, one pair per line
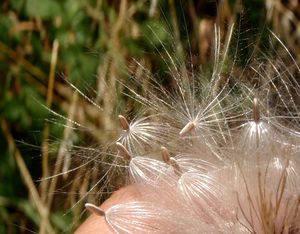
209, 160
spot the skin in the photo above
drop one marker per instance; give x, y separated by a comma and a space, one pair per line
97, 224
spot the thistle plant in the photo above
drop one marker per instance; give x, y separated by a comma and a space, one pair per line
212, 157
203, 125
213, 152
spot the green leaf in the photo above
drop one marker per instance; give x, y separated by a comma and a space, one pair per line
5, 26
61, 220
17, 4
45, 9
27, 207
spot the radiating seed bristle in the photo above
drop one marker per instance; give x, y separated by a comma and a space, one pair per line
187, 128
256, 111
123, 122
94, 209
123, 151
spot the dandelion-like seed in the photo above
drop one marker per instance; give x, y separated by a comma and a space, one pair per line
142, 134
143, 169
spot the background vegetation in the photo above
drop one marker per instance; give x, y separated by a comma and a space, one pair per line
47, 44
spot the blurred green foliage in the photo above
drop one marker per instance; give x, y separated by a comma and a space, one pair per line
28, 29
